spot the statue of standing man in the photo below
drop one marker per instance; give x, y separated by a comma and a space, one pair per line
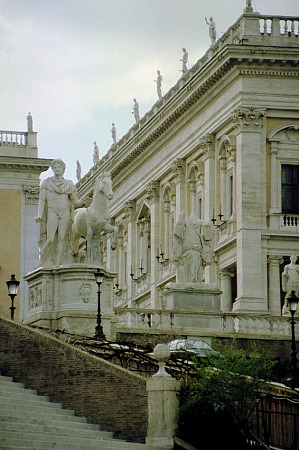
290, 279
159, 84
212, 29
57, 200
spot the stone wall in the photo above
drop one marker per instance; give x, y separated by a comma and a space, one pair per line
106, 394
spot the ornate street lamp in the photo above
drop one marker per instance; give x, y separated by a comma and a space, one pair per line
99, 333
12, 286
293, 380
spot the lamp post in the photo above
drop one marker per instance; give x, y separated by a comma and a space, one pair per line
99, 333
294, 372
12, 286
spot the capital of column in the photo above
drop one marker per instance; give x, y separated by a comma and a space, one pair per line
153, 191
31, 194
226, 273
129, 207
249, 118
208, 145
274, 260
178, 168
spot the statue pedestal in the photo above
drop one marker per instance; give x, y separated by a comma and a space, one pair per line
192, 296
66, 298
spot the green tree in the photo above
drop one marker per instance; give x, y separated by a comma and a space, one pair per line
218, 399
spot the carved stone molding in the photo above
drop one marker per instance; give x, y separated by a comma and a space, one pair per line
31, 194
248, 118
226, 273
275, 260
129, 208
85, 292
35, 297
208, 145
153, 191
178, 167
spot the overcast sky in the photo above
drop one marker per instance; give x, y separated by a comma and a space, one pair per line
77, 65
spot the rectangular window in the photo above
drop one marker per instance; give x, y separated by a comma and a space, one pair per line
290, 189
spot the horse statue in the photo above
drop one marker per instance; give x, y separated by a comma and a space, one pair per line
94, 221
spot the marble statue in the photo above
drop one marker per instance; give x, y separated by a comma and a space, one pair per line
57, 200
290, 279
184, 60
136, 110
212, 29
159, 84
96, 154
94, 220
113, 133
78, 170
192, 248
29, 122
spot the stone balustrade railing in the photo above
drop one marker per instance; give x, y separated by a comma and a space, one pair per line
13, 138
279, 25
189, 322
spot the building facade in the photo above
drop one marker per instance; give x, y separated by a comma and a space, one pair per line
20, 169
222, 145
221, 148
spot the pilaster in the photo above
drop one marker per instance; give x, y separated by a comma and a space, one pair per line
226, 288
153, 195
178, 168
274, 284
130, 209
250, 179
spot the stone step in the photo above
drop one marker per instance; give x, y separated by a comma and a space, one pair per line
100, 445
50, 415
70, 424
31, 401
54, 429
37, 405
19, 393
29, 421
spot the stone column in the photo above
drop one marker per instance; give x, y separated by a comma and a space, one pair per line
153, 194
163, 403
250, 192
178, 168
226, 288
209, 176
274, 284
274, 177
208, 145
130, 213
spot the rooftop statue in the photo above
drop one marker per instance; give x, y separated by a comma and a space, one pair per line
57, 200
290, 279
29, 122
78, 170
159, 84
212, 29
136, 110
192, 248
96, 154
113, 133
93, 221
184, 61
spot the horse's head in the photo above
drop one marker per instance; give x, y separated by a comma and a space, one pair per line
104, 184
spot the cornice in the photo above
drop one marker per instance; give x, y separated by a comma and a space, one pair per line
24, 165
188, 91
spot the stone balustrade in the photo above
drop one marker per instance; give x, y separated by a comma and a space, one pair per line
279, 25
13, 138
190, 322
